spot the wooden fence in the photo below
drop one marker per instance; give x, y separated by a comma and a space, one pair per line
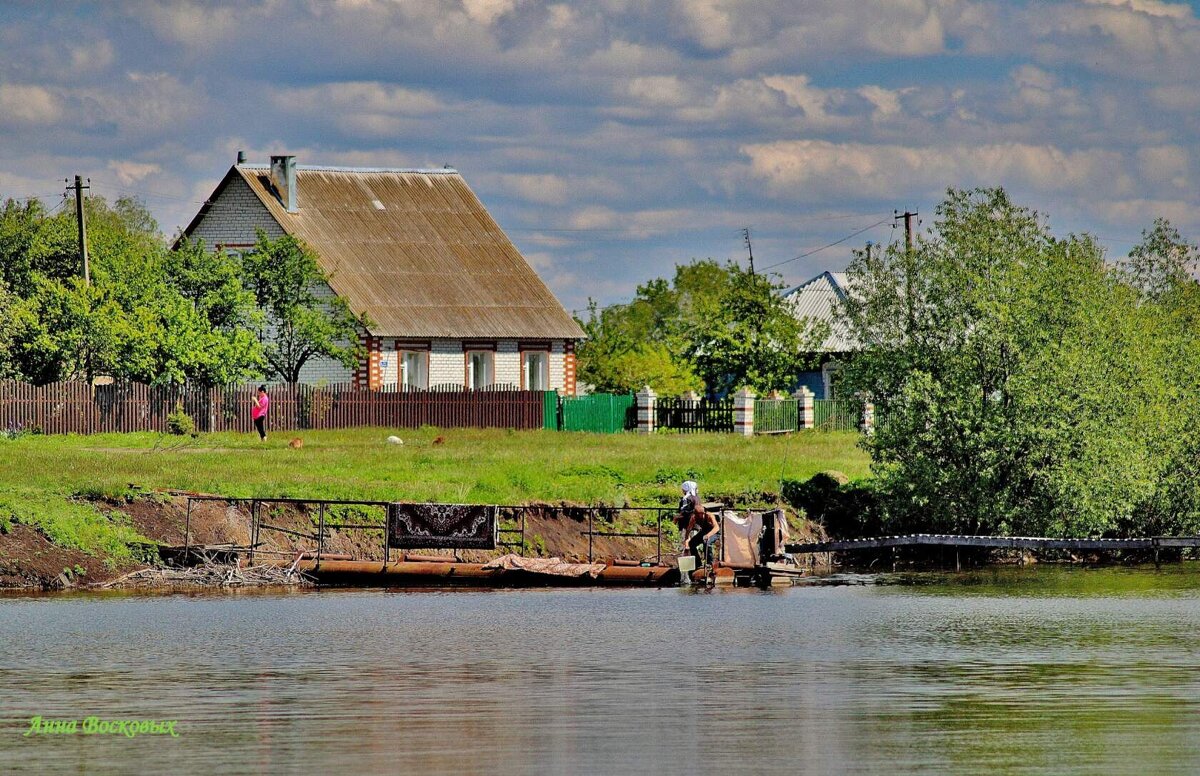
78, 408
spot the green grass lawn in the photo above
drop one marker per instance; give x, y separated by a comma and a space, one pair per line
39, 474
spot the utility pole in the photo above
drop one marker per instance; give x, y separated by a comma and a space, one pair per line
908, 228
79, 187
746, 237
908, 217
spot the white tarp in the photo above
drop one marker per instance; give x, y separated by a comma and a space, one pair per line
740, 535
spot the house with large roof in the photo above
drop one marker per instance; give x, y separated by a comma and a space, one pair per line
449, 299
816, 301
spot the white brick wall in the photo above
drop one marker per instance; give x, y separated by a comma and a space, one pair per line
446, 365
234, 216
508, 363
389, 362
557, 350
325, 371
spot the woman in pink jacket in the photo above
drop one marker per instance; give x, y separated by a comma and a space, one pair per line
259, 413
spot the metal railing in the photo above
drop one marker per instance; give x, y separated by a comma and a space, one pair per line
776, 416
331, 514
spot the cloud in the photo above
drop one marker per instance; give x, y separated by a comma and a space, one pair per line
545, 189
131, 172
487, 11
658, 129
371, 97
1164, 165
1148, 7
28, 104
803, 166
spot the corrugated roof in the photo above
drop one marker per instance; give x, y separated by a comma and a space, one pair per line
816, 300
417, 252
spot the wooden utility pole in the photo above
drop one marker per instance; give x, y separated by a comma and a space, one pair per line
746, 236
908, 217
79, 218
908, 229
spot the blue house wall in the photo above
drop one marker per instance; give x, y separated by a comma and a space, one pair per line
813, 381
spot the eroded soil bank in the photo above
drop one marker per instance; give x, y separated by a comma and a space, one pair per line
29, 560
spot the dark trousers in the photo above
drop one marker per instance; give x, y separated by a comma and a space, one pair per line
260, 423
696, 547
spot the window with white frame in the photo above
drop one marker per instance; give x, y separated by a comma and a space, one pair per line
414, 369
480, 368
535, 370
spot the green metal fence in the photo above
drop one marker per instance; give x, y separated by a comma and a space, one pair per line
602, 413
776, 416
550, 414
836, 415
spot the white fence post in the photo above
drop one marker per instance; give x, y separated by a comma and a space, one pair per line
646, 401
868, 418
743, 412
805, 408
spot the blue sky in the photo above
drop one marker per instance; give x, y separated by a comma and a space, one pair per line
613, 139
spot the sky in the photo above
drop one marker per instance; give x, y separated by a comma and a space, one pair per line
614, 139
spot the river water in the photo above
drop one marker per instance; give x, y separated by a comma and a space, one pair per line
1043, 670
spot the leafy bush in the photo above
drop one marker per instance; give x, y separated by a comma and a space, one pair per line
847, 510
180, 423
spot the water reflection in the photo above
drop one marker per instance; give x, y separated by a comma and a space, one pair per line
1018, 670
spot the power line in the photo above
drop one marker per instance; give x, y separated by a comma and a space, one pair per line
828, 245
148, 193
803, 219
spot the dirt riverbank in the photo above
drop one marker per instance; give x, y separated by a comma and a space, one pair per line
29, 560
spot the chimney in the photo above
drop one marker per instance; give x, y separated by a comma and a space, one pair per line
241, 157
283, 176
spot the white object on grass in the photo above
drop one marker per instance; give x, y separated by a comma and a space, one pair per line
395, 440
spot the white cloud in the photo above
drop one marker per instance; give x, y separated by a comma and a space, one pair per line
192, 24
486, 12
28, 104
886, 101
659, 90
912, 30
1164, 165
809, 166
544, 189
671, 123
706, 23
128, 172
1149, 7
799, 93
364, 96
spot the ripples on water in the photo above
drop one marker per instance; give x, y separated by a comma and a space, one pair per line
1009, 671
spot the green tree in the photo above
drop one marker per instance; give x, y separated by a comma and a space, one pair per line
298, 321
632, 345
749, 336
1161, 271
65, 330
8, 364
1014, 374
150, 315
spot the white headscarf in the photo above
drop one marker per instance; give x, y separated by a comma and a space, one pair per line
689, 488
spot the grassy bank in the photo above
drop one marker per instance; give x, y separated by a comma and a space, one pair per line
39, 475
